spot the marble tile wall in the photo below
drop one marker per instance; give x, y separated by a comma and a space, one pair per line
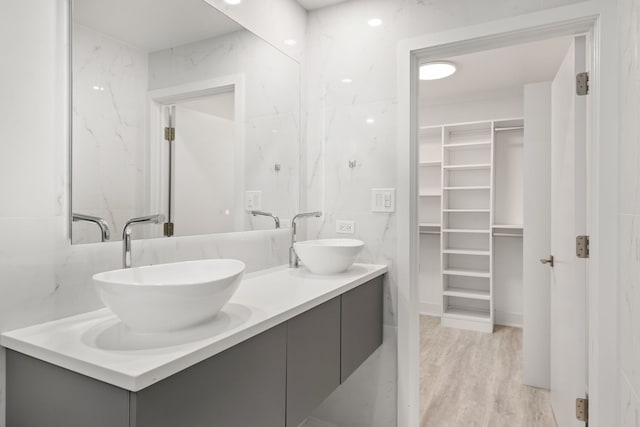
272, 109
357, 121
109, 124
629, 232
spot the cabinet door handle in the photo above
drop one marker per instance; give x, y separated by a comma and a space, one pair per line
548, 260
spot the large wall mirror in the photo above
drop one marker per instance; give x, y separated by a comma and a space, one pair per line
178, 110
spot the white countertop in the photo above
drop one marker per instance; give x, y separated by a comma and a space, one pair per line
98, 345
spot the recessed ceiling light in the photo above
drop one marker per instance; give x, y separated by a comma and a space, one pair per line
371, 120
374, 22
346, 81
436, 70
290, 42
233, 2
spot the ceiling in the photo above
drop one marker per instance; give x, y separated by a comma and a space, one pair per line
317, 4
499, 69
153, 25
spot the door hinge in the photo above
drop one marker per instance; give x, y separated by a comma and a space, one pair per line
582, 84
582, 246
582, 409
169, 133
168, 229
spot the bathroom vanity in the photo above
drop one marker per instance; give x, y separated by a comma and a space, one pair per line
283, 343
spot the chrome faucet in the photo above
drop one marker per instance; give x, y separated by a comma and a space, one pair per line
126, 235
293, 256
269, 214
104, 227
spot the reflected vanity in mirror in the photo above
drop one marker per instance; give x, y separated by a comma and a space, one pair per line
180, 111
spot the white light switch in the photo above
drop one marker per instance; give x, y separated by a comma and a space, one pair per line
345, 227
253, 200
383, 200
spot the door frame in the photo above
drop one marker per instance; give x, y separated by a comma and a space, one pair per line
157, 99
597, 19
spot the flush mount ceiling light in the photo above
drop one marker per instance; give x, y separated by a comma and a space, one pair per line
290, 42
234, 2
436, 70
374, 22
346, 81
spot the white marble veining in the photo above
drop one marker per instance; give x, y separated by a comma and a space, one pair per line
109, 126
629, 229
98, 345
272, 109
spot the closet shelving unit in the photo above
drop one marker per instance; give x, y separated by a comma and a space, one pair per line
457, 188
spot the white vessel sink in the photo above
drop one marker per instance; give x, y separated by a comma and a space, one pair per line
328, 256
169, 297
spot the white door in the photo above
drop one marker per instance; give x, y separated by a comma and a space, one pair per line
568, 220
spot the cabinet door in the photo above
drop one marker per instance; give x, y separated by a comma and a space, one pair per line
42, 394
313, 359
361, 325
240, 387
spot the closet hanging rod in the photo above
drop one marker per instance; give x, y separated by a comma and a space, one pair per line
506, 235
429, 232
508, 128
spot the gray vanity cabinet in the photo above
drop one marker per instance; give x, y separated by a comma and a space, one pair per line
361, 332
242, 386
313, 359
274, 379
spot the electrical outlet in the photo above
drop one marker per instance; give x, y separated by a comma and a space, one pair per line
345, 227
253, 200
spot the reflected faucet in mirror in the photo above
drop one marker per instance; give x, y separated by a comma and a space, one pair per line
269, 214
126, 235
294, 261
100, 222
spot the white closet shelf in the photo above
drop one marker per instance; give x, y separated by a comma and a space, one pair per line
431, 163
467, 314
466, 252
468, 167
430, 224
466, 230
477, 187
467, 293
466, 210
466, 272
508, 226
467, 145
430, 194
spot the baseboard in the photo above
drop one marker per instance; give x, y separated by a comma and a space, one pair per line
506, 318
430, 309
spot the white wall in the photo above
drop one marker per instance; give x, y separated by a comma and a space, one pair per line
273, 20
42, 276
628, 314
536, 344
341, 45
109, 126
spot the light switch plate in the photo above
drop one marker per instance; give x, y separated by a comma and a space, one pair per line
383, 200
253, 200
345, 227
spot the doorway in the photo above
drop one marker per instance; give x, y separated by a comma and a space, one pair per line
412, 53
505, 128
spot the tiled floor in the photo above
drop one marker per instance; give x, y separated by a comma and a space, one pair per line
474, 379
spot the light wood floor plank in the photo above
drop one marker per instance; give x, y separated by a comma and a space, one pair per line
473, 379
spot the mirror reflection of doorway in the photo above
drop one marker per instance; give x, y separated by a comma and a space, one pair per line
202, 163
